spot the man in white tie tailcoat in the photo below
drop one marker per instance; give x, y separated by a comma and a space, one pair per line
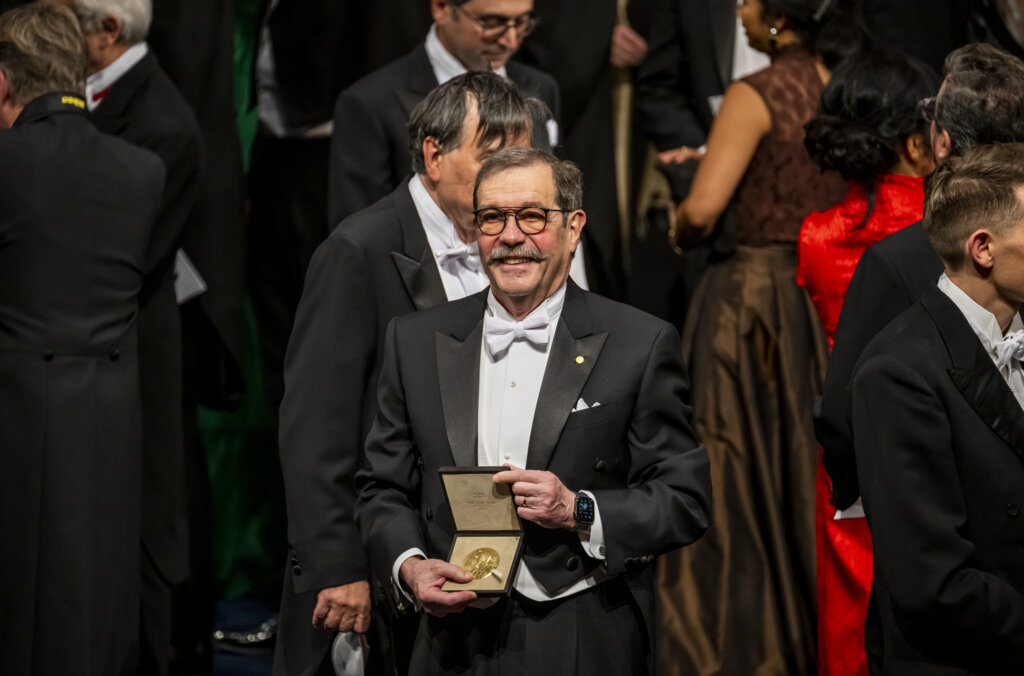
587, 401
938, 423
414, 249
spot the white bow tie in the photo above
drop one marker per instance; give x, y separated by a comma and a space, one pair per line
1008, 349
467, 254
499, 333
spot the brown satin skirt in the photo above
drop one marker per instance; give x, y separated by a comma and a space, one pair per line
741, 601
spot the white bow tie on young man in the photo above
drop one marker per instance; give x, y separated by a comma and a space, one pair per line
1010, 348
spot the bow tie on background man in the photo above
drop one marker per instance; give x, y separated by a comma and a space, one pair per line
468, 254
1010, 348
499, 332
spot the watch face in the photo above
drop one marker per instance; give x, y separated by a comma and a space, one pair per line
584, 509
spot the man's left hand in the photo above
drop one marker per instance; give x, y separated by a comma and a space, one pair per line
540, 497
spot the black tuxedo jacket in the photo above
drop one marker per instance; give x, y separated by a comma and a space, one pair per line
370, 142
889, 278
940, 450
77, 209
689, 59
143, 107
374, 266
636, 452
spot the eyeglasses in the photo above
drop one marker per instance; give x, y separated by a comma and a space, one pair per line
530, 220
927, 108
493, 27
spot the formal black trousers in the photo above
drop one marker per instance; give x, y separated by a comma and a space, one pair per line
599, 631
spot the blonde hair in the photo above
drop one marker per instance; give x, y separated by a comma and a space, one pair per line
42, 50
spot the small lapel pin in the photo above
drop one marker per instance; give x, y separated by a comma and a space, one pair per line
579, 359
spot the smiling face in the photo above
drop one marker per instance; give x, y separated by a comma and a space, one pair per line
525, 270
468, 42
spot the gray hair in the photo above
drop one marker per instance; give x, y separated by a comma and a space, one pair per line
983, 100
567, 176
502, 112
134, 15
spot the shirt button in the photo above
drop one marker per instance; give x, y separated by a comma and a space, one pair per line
513, 384
508, 455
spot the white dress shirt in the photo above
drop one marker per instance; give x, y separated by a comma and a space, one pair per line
97, 84
987, 329
509, 387
458, 262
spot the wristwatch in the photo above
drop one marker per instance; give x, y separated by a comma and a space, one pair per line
584, 512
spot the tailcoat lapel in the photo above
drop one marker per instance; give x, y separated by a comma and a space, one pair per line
458, 374
574, 353
415, 263
974, 374
420, 81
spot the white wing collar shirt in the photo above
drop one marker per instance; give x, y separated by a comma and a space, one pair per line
510, 381
1006, 350
99, 83
458, 262
444, 65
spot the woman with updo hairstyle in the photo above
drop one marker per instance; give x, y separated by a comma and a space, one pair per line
742, 600
870, 130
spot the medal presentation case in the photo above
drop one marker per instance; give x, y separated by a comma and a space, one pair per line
489, 535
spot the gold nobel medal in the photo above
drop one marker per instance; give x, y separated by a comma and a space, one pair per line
481, 562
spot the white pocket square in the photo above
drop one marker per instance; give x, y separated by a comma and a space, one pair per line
582, 405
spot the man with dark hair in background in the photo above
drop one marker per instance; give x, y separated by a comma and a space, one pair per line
78, 207
980, 101
413, 249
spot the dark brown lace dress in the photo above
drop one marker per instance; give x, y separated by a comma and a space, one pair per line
741, 601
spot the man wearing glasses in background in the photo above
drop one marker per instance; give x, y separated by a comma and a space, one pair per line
369, 145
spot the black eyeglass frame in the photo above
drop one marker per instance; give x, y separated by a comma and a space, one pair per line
524, 24
515, 211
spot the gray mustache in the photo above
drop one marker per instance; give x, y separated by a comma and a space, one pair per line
521, 251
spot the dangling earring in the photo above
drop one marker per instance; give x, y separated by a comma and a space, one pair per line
773, 38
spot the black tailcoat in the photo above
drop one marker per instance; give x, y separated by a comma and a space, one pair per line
76, 210
940, 452
375, 266
144, 108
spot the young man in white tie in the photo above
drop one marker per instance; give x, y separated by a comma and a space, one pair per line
497, 379
938, 421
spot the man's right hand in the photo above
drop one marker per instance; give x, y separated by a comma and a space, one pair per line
424, 577
344, 608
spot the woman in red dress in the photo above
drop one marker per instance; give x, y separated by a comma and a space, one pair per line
868, 128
